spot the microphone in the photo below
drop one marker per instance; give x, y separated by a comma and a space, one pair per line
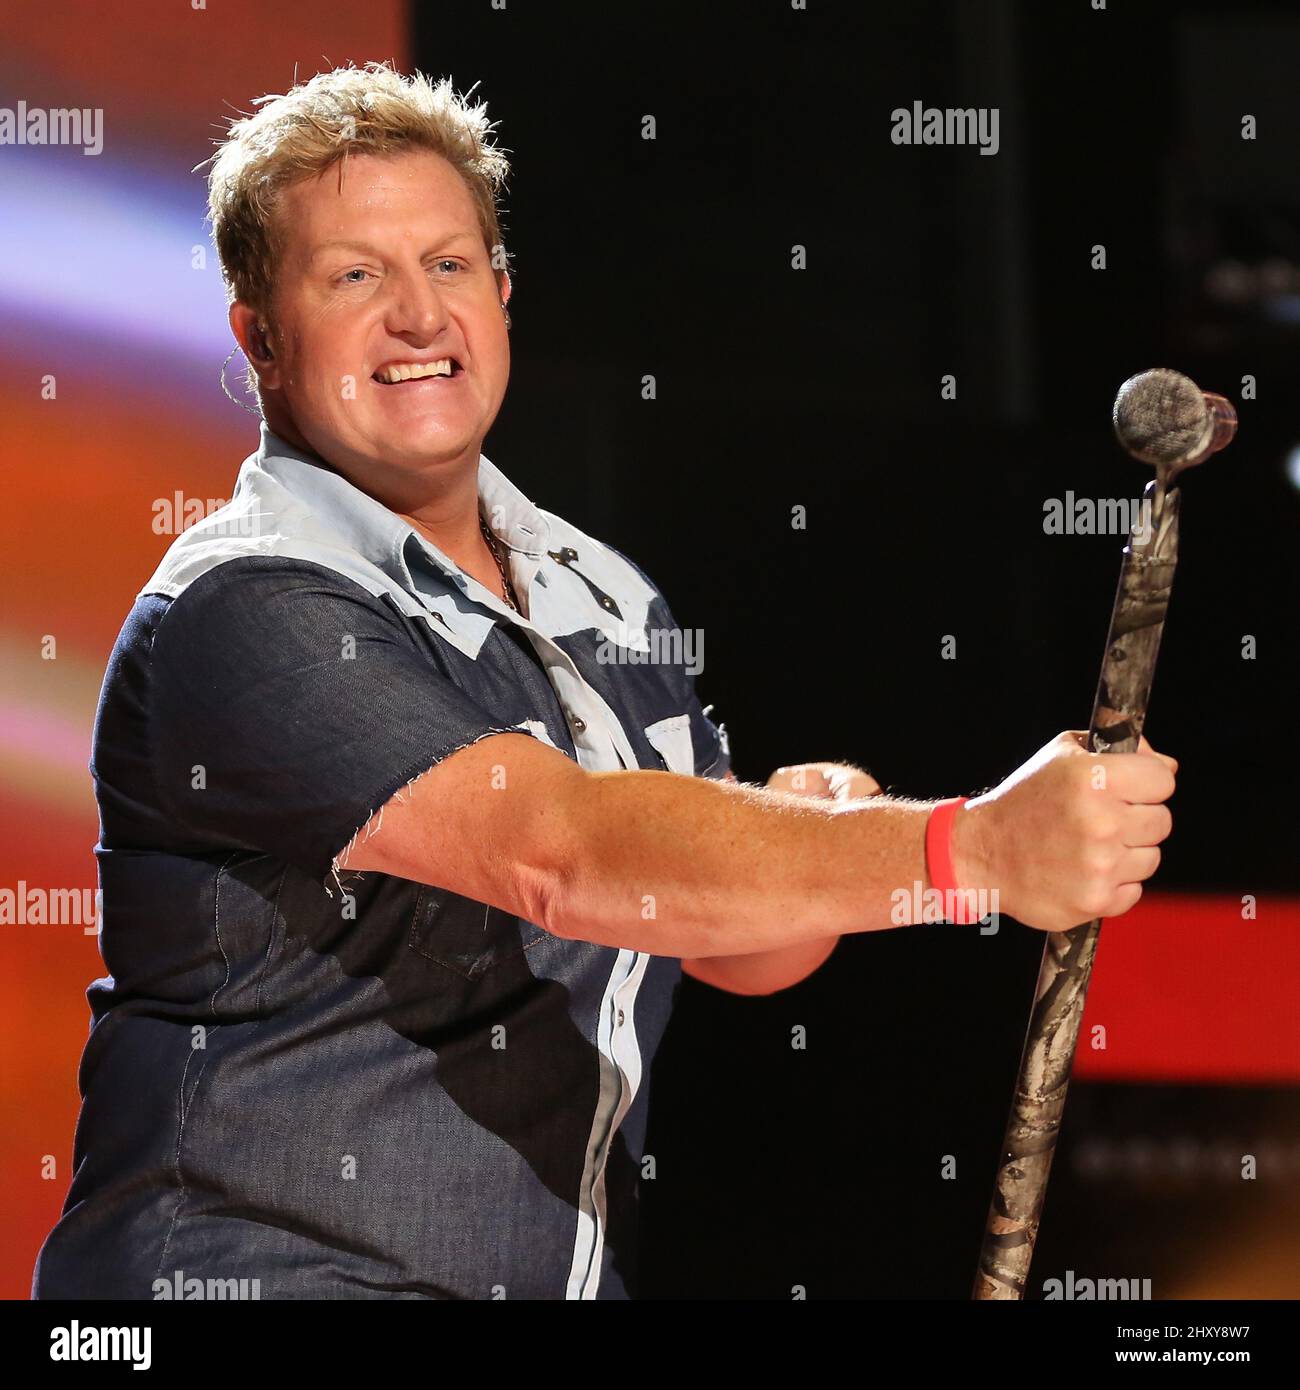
1162, 417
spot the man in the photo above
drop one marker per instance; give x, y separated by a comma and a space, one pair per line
401, 858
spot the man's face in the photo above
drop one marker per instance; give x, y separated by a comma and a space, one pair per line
384, 268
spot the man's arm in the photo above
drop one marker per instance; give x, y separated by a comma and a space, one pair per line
650, 860
687, 866
766, 972
762, 972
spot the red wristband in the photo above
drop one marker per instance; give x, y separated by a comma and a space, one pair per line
938, 857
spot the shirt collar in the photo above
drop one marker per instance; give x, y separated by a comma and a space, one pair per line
380, 534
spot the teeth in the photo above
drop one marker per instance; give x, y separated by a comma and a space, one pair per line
411, 371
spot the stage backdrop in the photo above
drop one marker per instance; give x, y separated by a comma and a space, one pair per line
112, 422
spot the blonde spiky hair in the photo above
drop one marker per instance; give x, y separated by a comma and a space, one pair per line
372, 110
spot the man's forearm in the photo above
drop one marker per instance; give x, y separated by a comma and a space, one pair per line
694, 867
762, 972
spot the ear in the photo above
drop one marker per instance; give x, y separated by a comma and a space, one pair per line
245, 325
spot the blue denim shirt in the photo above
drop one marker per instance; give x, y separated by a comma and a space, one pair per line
343, 1084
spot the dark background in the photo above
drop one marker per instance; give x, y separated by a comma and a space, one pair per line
821, 387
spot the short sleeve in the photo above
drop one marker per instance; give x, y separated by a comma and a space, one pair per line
287, 704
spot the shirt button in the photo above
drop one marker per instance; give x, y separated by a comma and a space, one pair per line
620, 1018
578, 722
569, 553
606, 601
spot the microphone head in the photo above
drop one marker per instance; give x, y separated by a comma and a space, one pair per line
1163, 417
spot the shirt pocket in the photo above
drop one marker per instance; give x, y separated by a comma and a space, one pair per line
467, 937
671, 739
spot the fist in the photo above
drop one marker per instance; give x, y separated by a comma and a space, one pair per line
824, 781
1071, 835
